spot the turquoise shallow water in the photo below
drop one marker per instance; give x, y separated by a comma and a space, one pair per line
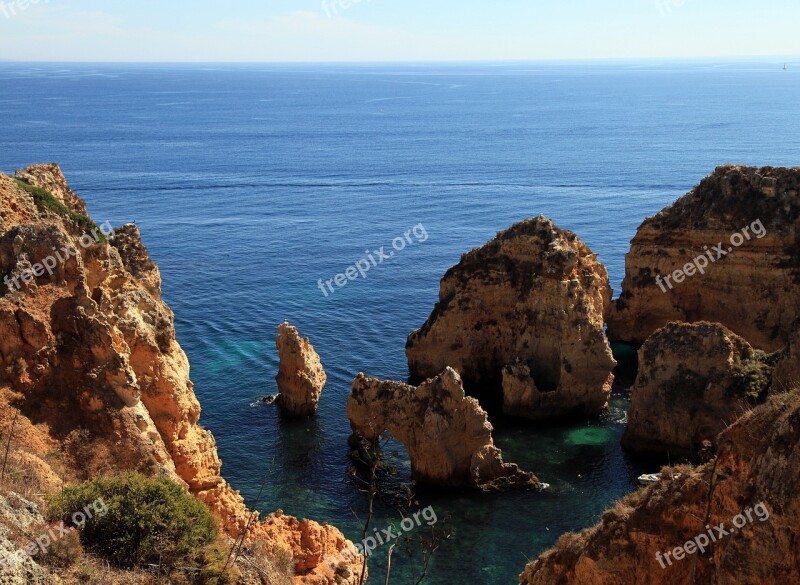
251, 183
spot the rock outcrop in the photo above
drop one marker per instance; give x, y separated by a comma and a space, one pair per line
300, 375
447, 434
727, 252
525, 312
694, 380
50, 178
90, 361
19, 515
787, 371
751, 490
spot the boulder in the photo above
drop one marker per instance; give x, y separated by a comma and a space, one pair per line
694, 380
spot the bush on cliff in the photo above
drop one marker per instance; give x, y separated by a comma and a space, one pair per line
44, 199
133, 521
752, 377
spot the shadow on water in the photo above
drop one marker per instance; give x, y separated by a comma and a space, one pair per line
627, 356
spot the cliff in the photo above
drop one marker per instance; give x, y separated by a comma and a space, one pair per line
447, 434
727, 252
91, 367
531, 302
787, 371
693, 381
746, 499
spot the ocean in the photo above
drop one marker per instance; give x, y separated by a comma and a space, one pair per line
251, 184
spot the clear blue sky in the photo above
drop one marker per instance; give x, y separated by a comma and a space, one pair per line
400, 30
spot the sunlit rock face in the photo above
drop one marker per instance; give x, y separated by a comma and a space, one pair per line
751, 490
728, 252
91, 366
447, 434
301, 377
524, 315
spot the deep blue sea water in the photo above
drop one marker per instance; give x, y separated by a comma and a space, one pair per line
251, 183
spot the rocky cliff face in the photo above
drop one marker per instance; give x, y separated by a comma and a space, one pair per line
694, 380
90, 359
19, 515
447, 434
300, 375
757, 465
787, 372
524, 312
728, 252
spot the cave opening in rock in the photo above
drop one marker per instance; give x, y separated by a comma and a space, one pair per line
627, 356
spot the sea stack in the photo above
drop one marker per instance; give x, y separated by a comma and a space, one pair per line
694, 380
301, 377
523, 315
727, 252
447, 434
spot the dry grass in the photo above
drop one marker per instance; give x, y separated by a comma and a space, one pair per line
94, 571
573, 543
266, 564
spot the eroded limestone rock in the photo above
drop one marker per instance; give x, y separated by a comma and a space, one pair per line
447, 434
301, 377
528, 307
752, 289
753, 484
694, 380
89, 360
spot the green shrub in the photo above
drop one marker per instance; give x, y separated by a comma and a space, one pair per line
752, 376
44, 199
148, 521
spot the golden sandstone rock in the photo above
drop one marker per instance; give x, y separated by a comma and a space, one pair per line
300, 376
699, 374
751, 288
694, 380
530, 302
447, 434
757, 463
90, 361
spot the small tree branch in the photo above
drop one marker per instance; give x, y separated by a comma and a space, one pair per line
8, 446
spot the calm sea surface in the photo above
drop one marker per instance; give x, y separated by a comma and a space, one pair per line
251, 183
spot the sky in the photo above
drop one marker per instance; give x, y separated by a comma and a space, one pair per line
394, 30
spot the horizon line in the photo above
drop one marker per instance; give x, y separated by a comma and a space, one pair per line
418, 61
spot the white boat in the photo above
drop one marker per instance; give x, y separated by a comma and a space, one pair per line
648, 478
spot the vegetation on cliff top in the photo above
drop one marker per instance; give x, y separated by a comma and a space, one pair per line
45, 200
752, 377
148, 522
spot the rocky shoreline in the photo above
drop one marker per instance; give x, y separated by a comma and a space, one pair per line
718, 383
709, 300
92, 370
